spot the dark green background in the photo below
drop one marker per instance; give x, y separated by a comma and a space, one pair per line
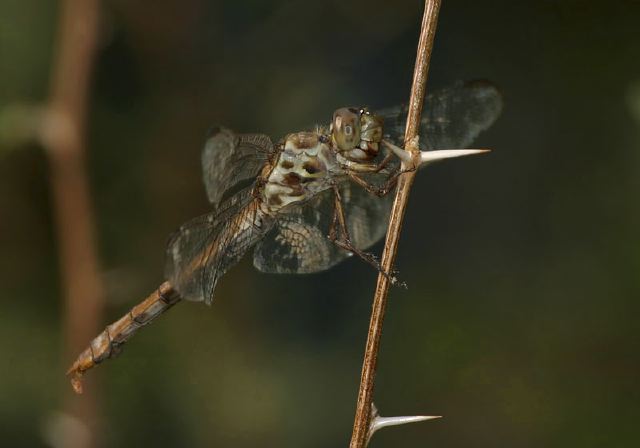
520, 322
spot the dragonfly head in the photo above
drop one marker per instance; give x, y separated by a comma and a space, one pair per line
356, 133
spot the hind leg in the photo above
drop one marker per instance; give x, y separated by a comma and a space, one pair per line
339, 235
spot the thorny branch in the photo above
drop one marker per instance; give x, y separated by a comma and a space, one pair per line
418, 88
63, 136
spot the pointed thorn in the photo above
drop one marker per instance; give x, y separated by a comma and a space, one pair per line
378, 422
402, 154
433, 156
381, 422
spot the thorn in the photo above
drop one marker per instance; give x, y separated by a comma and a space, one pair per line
433, 156
402, 154
427, 157
381, 422
377, 422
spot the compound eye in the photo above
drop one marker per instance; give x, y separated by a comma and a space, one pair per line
345, 128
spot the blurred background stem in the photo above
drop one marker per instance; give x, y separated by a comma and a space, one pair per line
64, 136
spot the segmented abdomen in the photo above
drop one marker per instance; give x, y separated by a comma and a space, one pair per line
108, 343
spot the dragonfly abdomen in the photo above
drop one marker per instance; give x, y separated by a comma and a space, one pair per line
109, 343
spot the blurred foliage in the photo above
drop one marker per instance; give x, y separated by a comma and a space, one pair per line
520, 322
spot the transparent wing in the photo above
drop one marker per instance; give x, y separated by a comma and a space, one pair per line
205, 248
294, 246
298, 243
452, 118
366, 215
231, 162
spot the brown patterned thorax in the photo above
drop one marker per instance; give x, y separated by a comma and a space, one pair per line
304, 167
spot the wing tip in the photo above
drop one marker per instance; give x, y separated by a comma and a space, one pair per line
486, 89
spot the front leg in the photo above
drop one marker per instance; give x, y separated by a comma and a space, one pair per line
369, 167
379, 190
356, 170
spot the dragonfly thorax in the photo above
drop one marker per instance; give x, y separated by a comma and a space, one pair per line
302, 169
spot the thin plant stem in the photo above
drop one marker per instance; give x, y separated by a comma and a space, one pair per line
418, 88
63, 136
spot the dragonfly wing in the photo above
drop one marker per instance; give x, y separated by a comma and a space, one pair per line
453, 117
231, 162
298, 243
205, 248
293, 246
367, 215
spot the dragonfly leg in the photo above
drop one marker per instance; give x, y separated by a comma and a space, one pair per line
384, 162
338, 222
333, 228
380, 190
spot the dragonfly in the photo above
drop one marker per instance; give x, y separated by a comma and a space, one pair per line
304, 204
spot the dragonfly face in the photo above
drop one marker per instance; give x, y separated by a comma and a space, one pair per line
356, 133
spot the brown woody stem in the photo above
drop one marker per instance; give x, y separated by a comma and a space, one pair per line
418, 88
